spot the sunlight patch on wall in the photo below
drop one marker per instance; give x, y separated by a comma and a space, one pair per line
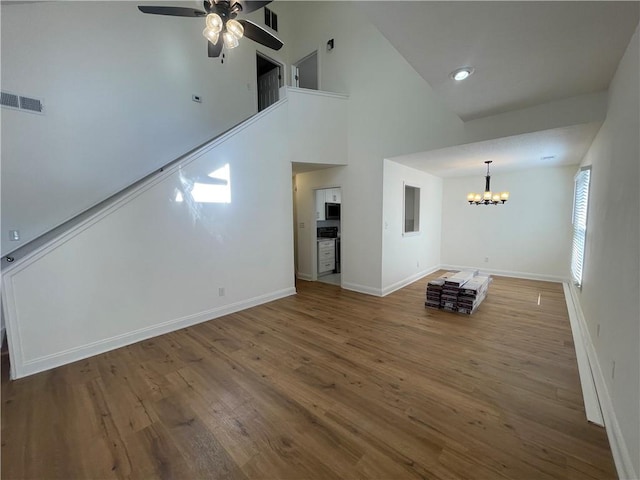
213, 188
216, 188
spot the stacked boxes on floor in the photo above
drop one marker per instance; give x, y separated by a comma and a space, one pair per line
457, 292
451, 289
472, 294
434, 290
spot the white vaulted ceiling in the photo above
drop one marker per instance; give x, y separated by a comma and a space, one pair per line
548, 148
524, 53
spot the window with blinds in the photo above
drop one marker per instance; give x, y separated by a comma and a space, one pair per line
580, 205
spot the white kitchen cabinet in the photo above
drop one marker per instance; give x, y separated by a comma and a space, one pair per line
333, 195
320, 200
326, 256
326, 195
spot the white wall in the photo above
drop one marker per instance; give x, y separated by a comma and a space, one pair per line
581, 109
411, 256
609, 295
152, 264
117, 87
326, 142
392, 111
529, 236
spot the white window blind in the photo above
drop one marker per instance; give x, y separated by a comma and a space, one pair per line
580, 205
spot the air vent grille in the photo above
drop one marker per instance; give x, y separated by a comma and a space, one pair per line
19, 102
32, 104
9, 100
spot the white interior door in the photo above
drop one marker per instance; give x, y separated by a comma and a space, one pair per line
305, 72
268, 88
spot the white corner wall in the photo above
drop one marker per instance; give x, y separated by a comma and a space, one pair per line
156, 260
117, 87
609, 295
392, 111
408, 257
529, 236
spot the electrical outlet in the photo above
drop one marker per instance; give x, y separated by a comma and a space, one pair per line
598, 331
301, 224
221, 292
418, 264
613, 370
486, 259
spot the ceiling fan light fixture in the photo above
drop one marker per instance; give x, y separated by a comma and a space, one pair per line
219, 16
462, 73
214, 22
211, 35
230, 40
235, 28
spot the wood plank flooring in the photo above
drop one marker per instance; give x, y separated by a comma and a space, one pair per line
325, 384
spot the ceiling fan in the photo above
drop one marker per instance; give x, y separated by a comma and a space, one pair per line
220, 18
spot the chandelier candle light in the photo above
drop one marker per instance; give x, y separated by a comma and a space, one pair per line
488, 198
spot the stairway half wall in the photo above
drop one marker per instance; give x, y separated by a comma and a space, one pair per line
209, 236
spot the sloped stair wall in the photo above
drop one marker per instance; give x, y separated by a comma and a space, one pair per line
210, 235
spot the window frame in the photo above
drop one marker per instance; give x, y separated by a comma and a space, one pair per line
416, 209
579, 220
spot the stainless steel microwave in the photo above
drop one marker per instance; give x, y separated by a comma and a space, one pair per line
332, 211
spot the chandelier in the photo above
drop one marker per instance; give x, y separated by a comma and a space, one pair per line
488, 198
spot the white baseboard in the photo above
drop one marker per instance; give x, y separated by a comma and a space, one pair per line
403, 283
47, 362
381, 292
589, 393
304, 276
376, 292
621, 456
509, 273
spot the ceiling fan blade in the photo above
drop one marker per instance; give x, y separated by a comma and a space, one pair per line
173, 11
260, 35
214, 50
249, 6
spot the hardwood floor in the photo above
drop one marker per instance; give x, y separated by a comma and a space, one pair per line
324, 384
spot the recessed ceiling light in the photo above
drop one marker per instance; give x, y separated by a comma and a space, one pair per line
462, 73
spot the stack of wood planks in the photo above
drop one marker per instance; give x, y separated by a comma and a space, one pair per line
434, 290
460, 292
472, 293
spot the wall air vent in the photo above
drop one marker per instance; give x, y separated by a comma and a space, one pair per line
19, 102
9, 100
32, 104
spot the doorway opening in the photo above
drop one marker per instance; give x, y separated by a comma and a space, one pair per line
269, 74
328, 203
305, 72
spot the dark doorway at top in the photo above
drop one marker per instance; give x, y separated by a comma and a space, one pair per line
269, 78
